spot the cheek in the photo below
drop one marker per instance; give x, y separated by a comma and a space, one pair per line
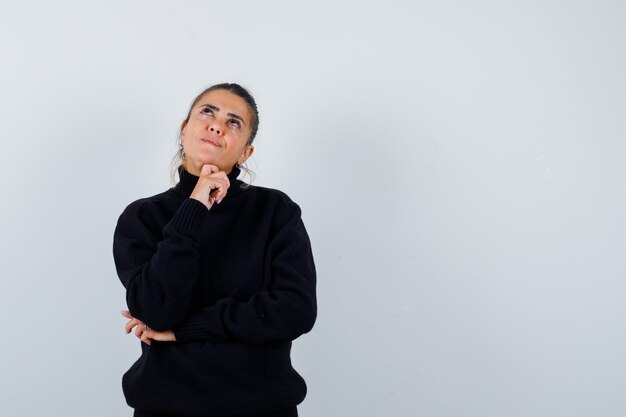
241, 147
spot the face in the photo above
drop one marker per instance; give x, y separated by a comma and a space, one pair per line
217, 132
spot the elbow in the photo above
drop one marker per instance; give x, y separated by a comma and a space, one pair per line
306, 309
310, 319
307, 316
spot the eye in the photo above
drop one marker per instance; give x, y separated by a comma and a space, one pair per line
234, 122
206, 110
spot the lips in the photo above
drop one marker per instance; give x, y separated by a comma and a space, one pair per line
212, 142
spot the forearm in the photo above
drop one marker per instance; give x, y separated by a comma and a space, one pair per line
280, 313
267, 317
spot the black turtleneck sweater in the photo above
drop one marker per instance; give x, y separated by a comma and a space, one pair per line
235, 283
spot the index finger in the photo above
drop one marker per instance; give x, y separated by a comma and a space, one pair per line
209, 169
224, 177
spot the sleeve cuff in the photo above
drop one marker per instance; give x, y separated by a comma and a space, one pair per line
191, 329
189, 216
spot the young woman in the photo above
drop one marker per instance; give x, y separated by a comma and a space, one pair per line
219, 277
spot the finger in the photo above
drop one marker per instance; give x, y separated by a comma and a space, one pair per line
213, 183
139, 330
208, 169
226, 187
145, 338
218, 188
211, 200
131, 323
219, 195
223, 177
222, 187
126, 314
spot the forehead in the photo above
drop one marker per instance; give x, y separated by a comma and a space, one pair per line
227, 102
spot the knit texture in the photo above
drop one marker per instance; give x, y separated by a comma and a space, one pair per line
235, 283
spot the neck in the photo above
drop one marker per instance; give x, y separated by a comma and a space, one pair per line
188, 181
196, 168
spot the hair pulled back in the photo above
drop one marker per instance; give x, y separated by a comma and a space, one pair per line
238, 90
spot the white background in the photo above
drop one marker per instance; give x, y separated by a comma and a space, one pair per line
459, 165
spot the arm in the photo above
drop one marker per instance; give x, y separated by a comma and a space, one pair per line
158, 274
159, 268
281, 313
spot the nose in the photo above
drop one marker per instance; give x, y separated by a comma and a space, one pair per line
215, 128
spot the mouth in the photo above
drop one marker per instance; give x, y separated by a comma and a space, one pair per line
211, 142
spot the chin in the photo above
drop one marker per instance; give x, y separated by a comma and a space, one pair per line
206, 159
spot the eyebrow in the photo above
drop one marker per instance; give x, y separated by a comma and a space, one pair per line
233, 115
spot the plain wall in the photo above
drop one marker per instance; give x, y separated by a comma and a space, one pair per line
459, 166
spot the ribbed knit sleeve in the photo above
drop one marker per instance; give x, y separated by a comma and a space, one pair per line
158, 268
188, 217
280, 313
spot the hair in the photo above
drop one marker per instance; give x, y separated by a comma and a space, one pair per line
238, 90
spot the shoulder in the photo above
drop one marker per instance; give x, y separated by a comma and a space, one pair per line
283, 216
272, 198
146, 203
148, 210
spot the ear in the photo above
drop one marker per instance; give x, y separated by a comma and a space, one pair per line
183, 125
247, 152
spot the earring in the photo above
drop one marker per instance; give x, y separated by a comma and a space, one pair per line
181, 149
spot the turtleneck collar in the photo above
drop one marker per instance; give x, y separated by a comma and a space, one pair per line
188, 182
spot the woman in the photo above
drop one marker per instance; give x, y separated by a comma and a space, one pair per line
219, 277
